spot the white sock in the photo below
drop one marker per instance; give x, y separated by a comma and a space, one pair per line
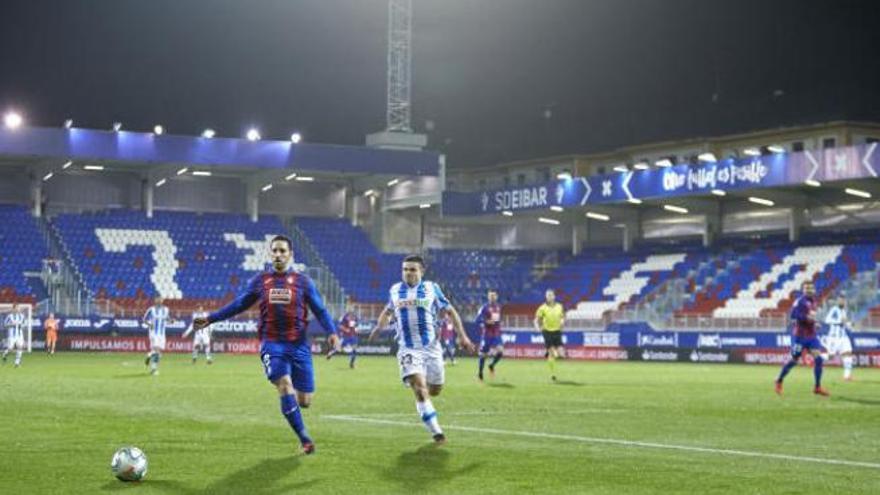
208, 355
17, 357
429, 416
847, 366
195, 354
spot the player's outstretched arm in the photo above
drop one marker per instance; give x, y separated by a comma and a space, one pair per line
316, 304
244, 301
381, 323
463, 339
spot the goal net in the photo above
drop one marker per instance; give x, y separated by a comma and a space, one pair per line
28, 311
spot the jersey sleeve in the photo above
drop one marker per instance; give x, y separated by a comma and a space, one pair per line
441, 301
147, 314
316, 304
539, 313
240, 303
481, 316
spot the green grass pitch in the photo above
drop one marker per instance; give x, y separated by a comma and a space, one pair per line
606, 428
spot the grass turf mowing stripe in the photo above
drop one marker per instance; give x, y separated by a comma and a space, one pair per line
614, 441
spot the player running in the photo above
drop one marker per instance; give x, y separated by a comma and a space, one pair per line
14, 323
549, 320
348, 328
803, 316
51, 326
489, 321
415, 303
838, 341
156, 318
201, 339
447, 339
285, 298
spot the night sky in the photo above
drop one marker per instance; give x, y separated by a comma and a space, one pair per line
501, 80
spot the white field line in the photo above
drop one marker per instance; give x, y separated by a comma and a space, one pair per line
614, 441
486, 413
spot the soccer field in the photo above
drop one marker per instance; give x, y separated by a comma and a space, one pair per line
605, 428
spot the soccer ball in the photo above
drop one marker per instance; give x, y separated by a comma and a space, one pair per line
129, 464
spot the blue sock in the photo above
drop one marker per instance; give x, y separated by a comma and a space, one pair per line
352, 357
155, 357
291, 411
496, 359
817, 370
785, 369
482, 364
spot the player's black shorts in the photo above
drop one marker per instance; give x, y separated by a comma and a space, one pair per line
552, 339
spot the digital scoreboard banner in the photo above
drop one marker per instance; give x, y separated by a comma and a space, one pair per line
780, 169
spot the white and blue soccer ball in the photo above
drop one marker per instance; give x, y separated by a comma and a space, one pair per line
129, 464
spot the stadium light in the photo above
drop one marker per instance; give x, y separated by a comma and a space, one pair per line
66, 165
557, 209
761, 201
183, 171
305, 179
507, 213
290, 177
208, 133
775, 148
424, 206
158, 130
267, 187
117, 126
48, 176
857, 192
621, 168
202, 173
634, 201
393, 182
675, 209
598, 216
253, 134
13, 120
548, 221
161, 182
96, 168
707, 157
295, 138
752, 152
68, 123
641, 166
563, 176
719, 192
813, 183
664, 163
369, 192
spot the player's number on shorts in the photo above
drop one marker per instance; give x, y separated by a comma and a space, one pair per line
266, 364
406, 360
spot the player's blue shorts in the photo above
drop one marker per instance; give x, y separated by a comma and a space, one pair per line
490, 343
801, 344
286, 358
350, 341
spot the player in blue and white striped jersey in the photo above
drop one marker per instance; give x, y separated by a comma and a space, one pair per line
416, 304
14, 323
837, 341
156, 318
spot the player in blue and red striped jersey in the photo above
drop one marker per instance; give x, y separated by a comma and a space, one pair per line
489, 320
285, 298
348, 329
804, 338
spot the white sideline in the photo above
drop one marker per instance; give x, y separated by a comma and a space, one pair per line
613, 441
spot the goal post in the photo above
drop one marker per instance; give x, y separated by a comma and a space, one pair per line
28, 311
